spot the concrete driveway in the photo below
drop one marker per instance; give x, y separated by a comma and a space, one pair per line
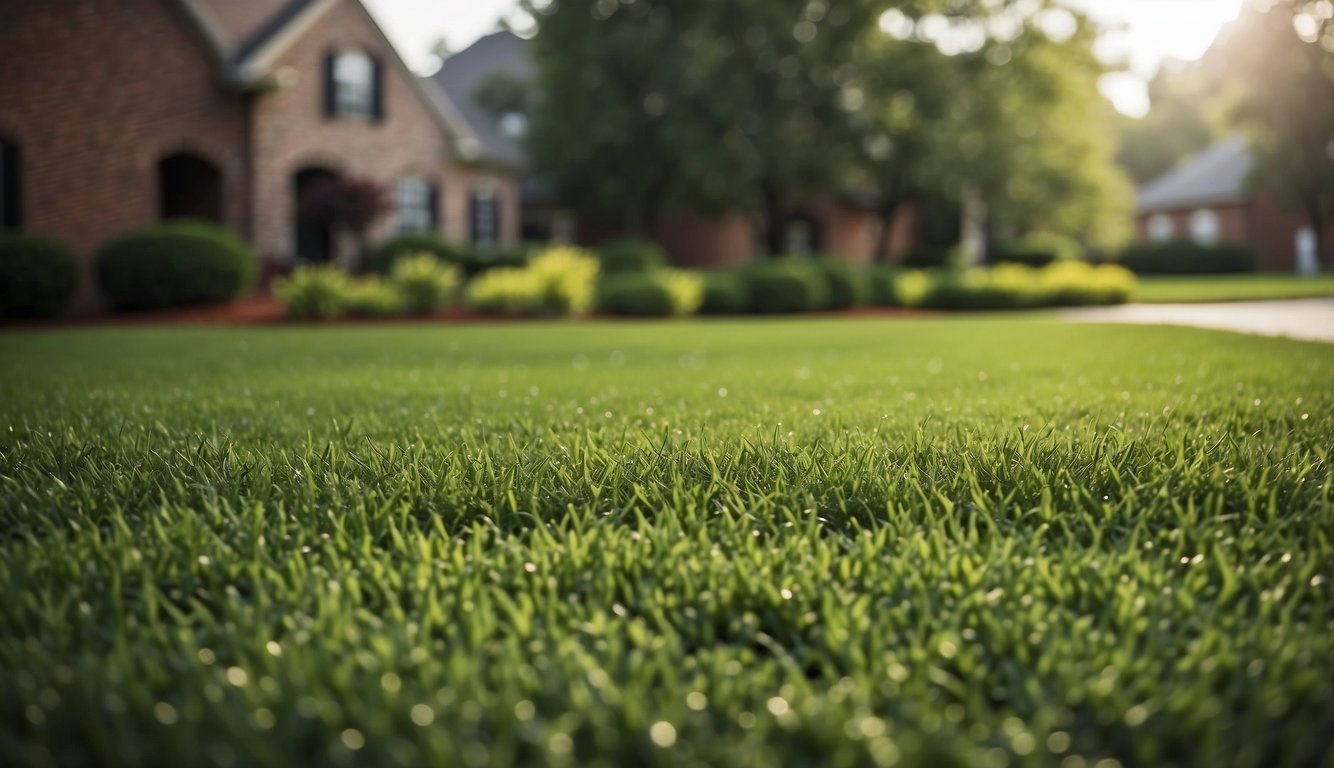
1308, 319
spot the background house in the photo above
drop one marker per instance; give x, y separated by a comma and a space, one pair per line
114, 115
1209, 198
493, 82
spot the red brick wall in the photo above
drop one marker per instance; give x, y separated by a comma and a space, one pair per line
1262, 223
291, 131
696, 241
95, 93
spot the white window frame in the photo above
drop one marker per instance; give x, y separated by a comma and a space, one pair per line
354, 84
413, 197
1160, 228
485, 211
1205, 226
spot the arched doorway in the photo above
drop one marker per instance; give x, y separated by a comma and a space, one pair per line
314, 231
189, 187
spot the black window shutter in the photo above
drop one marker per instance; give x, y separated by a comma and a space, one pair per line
473, 211
433, 200
495, 217
377, 89
330, 87
11, 216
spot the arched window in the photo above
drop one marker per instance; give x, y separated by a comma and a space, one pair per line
485, 213
189, 187
354, 85
11, 214
1160, 227
417, 201
1204, 227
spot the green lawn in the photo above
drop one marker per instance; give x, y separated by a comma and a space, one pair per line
968, 542
1205, 288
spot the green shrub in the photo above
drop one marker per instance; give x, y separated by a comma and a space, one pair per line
314, 292
505, 291
880, 287
1037, 250
631, 255
372, 297
1002, 287
37, 275
1184, 257
786, 286
177, 264
725, 293
1074, 283
382, 258
424, 284
486, 258
846, 285
659, 293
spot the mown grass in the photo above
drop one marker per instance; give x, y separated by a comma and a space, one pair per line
978, 542
1205, 288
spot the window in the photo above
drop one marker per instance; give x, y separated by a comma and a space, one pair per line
10, 215
1160, 227
189, 187
416, 200
485, 206
354, 85
798, 239
1204, 227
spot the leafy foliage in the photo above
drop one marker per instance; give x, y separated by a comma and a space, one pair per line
382, 258
725, 293
177, 264
424, 284
631, 255
1186, 257
38, 275
846, 285
658, 293
786, 286
314, 292
1037, 250
557, 282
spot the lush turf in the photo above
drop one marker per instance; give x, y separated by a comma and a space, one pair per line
836, 543
1205, 288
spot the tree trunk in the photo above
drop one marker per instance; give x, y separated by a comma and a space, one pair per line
774, 222
886, 212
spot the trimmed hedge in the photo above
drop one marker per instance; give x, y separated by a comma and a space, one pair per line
631, 255
659, 293
1038, 250
786, 286
38, 275
846, 285
177, 264
383, 257
882, 287
1184, 257
725, 293
1013, 286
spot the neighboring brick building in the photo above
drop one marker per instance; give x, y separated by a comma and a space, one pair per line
1208, 199
115, 114
837, 226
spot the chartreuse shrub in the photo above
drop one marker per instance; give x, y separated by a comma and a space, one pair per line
1012, 286
789, 285
373, 296
314, 292
557, 282
657, 293
631, 255
1036, 250
38, 275
725, 293
956, 542
177, 264
1186, 257
1076, 283
424, 284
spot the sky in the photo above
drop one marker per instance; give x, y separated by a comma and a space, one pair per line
1144, 33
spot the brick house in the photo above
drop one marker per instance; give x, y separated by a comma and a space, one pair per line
840, 226
1208, 198
115, 114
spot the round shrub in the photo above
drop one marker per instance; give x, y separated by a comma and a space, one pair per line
846, 285
505, 291
177, 264
372, 296
786, 286
424, 284
725, 293
1037, 250
37, 275
881, 287
382, 258
636, 294
631, 255
314, 293
1184, 257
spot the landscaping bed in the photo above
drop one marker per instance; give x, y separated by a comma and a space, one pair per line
956, 542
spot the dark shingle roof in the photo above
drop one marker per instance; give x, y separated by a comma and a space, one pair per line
1215, 175
462, 73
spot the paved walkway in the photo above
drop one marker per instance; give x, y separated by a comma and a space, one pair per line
1309, 319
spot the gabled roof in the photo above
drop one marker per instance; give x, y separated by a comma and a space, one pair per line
247, 37
1215, 175
463, 72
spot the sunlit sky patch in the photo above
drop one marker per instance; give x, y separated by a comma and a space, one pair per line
1142, 33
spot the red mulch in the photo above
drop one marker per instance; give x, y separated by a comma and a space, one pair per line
266, 310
